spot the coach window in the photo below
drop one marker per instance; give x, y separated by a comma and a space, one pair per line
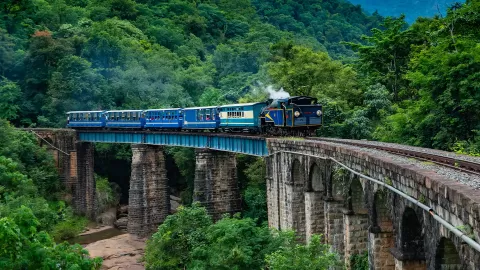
207, 114
134, 116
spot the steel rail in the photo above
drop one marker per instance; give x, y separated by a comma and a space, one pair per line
453, 163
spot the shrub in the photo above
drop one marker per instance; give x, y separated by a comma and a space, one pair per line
108, 194
70, 227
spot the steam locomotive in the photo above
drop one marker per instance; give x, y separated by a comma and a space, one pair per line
295, 116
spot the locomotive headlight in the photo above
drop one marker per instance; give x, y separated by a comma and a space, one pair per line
319, 113
297, 114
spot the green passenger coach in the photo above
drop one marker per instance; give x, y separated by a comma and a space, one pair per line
241, 117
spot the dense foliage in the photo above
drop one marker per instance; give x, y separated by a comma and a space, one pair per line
431, 72
190, 240
30, 213
377, 79
61, 55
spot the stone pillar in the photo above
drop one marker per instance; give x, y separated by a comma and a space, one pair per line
216, 185
84, 190
380, 244
334, 226
66, 141
314, 214
148, 202
356, 235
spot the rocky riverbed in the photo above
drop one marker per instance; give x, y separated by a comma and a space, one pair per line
120, 252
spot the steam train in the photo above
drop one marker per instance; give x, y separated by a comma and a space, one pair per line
297, 116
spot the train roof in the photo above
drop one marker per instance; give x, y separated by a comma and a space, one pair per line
241, 104
172, 109
301, 97
84, 112
196, 108
125, 111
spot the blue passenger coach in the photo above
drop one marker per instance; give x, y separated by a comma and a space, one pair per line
86, 119
239, 117
201, 118
125, 119
164, 118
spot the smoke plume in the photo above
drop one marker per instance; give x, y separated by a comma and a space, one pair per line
280, 94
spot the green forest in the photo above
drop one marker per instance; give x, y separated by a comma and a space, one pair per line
377, 78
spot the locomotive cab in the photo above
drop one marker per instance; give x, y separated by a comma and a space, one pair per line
294, 115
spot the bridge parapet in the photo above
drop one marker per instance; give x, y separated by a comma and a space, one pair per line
455, 202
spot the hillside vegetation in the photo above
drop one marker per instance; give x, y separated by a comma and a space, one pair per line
376, 78
61, 55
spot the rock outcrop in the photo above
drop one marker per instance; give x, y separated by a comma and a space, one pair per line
119, 253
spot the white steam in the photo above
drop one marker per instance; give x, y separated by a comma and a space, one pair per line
274, 94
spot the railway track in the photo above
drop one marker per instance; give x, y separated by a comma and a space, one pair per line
454, 163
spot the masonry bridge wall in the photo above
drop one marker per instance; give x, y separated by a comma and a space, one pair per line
306, 191
215, 186
310, 193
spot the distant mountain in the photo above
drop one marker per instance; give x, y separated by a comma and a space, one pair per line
411, 8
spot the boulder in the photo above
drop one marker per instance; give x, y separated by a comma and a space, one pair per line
120, 252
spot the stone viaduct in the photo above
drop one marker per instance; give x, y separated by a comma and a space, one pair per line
306, 191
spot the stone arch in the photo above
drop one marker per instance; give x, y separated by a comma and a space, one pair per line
296, 173
381, 215
316, 179
314, 204
334, 224
339, 180
356, 197
355, 221
411, 234
298, 199
447, 256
